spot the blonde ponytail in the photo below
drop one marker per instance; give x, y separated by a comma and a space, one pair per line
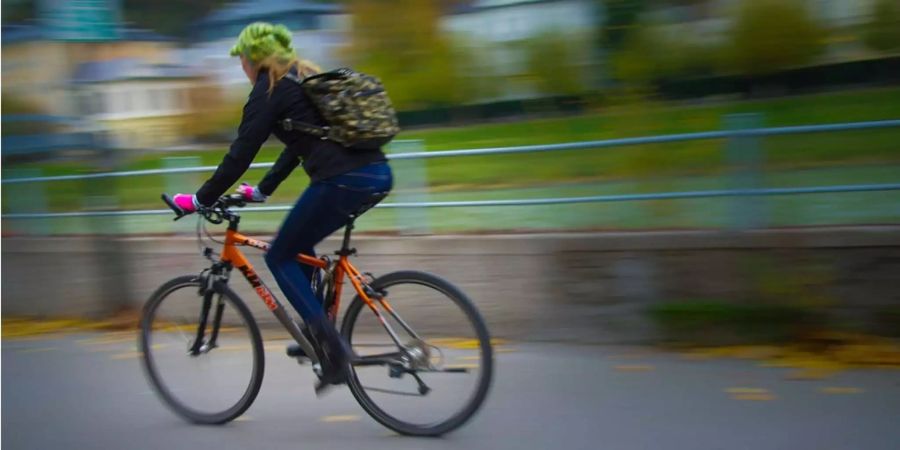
279, 67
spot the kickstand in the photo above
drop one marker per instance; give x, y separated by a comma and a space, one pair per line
423, 388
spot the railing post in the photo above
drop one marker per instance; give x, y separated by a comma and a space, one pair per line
745, 159
410, 185
112, 262
102, 194
27, 198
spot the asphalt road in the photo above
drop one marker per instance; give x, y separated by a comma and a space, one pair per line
87, 391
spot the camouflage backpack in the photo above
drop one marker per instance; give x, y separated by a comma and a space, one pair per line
355, 106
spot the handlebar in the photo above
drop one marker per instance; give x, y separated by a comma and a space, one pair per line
215, 213
179, 213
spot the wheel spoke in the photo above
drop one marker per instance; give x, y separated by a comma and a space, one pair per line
391, 391
380, 359
399, 319
445, 370
214, 388
428, 309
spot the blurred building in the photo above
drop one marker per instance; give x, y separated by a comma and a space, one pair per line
38, 65
141, 105
78, 60
495, 21
319, 30
495, 30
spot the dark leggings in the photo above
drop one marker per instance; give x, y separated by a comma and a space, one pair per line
323, 208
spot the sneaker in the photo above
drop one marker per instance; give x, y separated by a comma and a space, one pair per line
335, 359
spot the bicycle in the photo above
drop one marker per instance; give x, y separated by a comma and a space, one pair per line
414, 356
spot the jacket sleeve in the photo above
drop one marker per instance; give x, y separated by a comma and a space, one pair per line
284, 165
256, 126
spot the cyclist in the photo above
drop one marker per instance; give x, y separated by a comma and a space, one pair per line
342, 180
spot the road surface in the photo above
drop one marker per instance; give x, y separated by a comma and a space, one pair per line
87, 391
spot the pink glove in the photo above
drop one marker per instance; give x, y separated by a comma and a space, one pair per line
187, 202
251, 193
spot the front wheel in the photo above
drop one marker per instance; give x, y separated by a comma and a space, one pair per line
202, 351
445, 349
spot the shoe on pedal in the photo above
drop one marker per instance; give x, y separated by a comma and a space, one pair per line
295, 351
335, 356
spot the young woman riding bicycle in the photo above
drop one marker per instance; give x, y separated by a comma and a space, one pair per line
343, 180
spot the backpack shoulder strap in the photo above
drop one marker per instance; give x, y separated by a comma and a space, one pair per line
294, 78
292, 125
333, 73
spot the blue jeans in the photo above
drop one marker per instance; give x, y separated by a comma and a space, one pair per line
324, 207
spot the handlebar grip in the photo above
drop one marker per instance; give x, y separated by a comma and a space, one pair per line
179, 213
234, 200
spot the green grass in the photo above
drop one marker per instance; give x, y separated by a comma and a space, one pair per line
776, 211
538, 169
665, 159
706, 322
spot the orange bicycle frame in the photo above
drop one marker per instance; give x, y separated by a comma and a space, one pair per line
232, 256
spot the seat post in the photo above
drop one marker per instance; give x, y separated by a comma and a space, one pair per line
345, 246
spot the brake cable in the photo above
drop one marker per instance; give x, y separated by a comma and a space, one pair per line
201, 245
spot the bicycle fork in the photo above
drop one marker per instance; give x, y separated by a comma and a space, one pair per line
208, 291
213, 282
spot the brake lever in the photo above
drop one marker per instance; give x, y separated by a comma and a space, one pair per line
214, 216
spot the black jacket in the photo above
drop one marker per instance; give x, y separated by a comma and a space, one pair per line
321, 159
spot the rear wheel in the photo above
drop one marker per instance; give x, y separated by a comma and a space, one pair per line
214, 379
445, 348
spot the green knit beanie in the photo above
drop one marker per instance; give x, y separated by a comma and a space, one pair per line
261, 40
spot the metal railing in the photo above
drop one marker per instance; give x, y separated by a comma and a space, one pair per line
741, 138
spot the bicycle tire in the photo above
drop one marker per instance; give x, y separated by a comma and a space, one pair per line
186, 412
484, 340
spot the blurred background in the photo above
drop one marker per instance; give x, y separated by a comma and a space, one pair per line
680, 172
102, 86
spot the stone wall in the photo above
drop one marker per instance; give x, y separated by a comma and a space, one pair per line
593, 287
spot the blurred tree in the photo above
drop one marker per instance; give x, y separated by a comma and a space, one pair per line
554, 60
478, 76
11, 103
407, 51
882, 33
621, 20
18, 10
169, 17
642, 58
651, 54
618, 17
772, 35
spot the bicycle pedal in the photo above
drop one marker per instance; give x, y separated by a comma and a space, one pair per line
295, 351
321, 388
396, 371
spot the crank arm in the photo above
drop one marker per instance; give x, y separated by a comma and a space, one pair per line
447, 370
381, 359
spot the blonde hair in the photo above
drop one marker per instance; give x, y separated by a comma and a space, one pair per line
278, 67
